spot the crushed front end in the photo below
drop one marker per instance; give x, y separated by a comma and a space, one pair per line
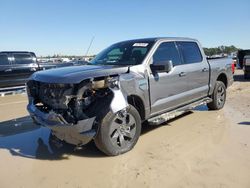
73, 111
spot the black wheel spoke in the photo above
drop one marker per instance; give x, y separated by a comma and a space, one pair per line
128, 135
122, 129
121, 140
115, 134
131, 121
119, 132
114, 137
220, 96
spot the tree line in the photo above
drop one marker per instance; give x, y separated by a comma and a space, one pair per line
220, 50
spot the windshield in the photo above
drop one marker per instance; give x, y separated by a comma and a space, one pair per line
123, 53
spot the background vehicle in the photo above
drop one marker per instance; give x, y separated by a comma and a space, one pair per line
130, 82
50, 65
246, 66
17, 66
240, 57
79, 62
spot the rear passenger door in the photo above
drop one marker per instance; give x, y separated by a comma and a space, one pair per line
196, 70
24, 64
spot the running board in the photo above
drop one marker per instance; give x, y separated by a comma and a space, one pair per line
177, 112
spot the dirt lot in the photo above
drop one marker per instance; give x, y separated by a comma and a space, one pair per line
200, 149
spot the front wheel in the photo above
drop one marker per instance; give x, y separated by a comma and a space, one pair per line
118, 133
218, 96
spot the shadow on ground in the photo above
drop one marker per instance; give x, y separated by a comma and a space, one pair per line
244, 123
240, 78
146, 128
25, 139
201, 108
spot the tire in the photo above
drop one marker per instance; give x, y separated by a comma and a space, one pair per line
218, 96
118, 133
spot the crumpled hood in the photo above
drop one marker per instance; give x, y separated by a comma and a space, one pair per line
76, 74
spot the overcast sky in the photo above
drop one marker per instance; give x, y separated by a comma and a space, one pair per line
66, 27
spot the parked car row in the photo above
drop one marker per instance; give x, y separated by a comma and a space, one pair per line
17, 66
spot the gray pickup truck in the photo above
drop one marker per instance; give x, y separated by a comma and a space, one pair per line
153, 80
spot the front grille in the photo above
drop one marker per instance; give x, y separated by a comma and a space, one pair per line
52, 95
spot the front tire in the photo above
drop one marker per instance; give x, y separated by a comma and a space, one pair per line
119, 132
218, 96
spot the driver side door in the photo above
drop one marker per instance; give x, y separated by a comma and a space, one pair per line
167, 89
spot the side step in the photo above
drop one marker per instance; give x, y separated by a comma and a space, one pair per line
177, 112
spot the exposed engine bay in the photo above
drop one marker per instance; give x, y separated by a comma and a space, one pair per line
73, 102
72, 111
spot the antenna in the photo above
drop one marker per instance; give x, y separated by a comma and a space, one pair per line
89, 45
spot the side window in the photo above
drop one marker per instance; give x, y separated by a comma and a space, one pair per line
167, 51
115, 54
190, 52
23, 58
137, 54
4, 59
141, 50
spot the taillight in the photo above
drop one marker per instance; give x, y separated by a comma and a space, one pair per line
233, 67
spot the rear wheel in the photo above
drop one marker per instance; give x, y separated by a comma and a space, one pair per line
218, 96
118, 133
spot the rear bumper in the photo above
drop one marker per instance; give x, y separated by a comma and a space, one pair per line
77, 134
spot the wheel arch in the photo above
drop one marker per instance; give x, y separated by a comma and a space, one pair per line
137, 102
223, 78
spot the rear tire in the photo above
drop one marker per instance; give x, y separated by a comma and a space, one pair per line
119, 132
218, 96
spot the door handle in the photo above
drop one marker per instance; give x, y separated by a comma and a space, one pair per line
205, 70
8, 70
182, 74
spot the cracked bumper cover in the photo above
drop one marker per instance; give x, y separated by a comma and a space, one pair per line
77, 134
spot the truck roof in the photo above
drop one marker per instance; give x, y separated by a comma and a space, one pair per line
154, 39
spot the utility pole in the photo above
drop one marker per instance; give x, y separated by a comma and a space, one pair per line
89, 46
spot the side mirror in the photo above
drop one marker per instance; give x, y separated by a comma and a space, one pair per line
162, 66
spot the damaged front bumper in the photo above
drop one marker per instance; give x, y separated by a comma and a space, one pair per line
72, 112
77, 134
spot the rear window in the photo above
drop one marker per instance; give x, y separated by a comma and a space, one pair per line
23, 59
190, 52
4, 59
